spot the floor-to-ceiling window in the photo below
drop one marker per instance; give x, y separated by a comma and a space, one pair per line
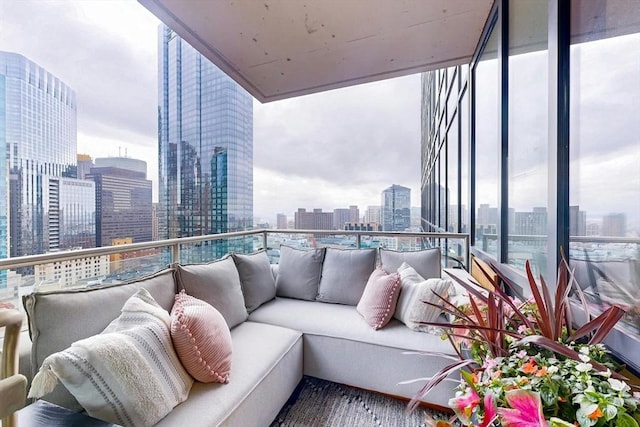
487, 146
528, 135
549, 135
605, 152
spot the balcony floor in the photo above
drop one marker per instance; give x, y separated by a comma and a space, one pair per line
317, 402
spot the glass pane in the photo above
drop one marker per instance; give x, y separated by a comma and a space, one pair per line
487, 143
605, 154
452, 176
464, 162
528, 135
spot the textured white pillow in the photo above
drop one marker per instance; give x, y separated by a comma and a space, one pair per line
411, 310
129, 374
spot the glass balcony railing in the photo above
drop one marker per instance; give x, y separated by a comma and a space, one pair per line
116, 264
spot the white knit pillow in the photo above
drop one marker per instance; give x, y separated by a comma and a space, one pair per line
414, 291
129, 374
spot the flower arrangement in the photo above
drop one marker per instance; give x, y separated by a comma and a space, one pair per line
525, 365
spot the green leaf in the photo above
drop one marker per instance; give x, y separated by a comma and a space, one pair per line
610, 412
625, 420
557, 422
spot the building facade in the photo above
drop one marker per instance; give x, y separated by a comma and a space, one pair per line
396, 208
38, 137
315, 220
123, 200
69, 212
281, 221
205, 126
539, 136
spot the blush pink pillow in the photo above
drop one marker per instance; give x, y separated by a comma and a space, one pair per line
378, 301
201, 338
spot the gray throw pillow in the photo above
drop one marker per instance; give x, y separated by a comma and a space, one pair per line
217, 283
425, 262
256, 278
299, 273
345, 274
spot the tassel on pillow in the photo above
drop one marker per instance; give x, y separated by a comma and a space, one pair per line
44, 382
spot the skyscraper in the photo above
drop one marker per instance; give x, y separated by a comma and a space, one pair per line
38, 130
205, 124
123, 200
396, 208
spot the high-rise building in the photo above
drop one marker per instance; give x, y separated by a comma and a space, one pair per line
577, 221
282, 221
396, 208
340, 217
123, 200
372, 214
69, 213
205, 145
38, 131
354, 214
316, 220
531, 223
614, 224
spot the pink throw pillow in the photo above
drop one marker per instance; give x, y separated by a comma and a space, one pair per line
378, 301
201, 338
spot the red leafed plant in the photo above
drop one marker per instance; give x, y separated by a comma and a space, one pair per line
498, 323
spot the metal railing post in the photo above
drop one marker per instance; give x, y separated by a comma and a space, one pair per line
358, 240
175, 253
264, 239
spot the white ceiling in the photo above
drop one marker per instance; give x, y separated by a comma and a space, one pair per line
279, 49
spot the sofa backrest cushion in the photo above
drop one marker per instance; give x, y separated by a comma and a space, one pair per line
299, 273
217, 283
256, 278
344, 275
59, 318
425, 262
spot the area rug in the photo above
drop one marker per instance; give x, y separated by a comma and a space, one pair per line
317, 403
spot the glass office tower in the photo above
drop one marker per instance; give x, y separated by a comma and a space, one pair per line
539, 136
38, 132
396, 208
205, 127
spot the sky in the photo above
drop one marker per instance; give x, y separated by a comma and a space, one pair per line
328, 150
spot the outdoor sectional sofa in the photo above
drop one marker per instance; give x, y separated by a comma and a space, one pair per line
297, 318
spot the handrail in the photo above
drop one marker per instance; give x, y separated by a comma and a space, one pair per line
174, 244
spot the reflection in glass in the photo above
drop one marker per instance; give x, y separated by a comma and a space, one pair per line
605, 154
528, 135
487, 143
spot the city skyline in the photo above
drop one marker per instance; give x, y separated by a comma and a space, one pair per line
330, 141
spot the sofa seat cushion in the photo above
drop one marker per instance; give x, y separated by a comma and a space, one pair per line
267, 366
342, 321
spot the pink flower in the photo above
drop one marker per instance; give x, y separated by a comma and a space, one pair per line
490, 362
521, 354
490, 413
464, 405
526, 412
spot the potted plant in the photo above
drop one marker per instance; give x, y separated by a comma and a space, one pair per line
523, 364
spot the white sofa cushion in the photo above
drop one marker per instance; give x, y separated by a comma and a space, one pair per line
415, 292
104, 371
343, 321
87, 312
267, 366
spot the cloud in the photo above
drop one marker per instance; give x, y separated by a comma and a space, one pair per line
95, 49
348, 137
